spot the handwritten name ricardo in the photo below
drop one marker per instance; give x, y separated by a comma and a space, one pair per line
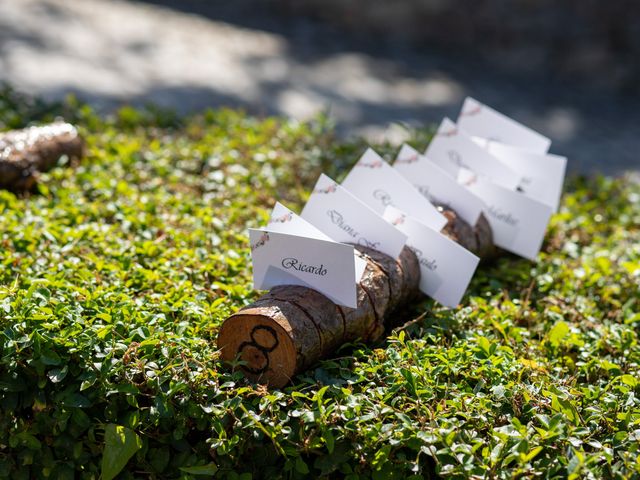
294, 263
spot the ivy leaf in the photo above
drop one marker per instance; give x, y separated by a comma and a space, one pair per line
58, 374
120, 444
209, 469
559, 331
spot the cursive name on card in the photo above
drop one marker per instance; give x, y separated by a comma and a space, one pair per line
338, 219
517, 221
502, 216
290, 259
294, 263
284, 220
345, 218
445, 267
424, 262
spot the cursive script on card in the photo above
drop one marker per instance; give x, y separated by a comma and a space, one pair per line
425, 262
503, 216
383, 197
456, 159
295, 264
338, 220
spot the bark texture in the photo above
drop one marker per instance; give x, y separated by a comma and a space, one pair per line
477, 239
292, 327
24, 153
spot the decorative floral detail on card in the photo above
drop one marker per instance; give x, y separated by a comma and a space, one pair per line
470, 181
450, 133
399, 220
263, 239
330, 189
410, 159
287, 217
376, 164
474, 111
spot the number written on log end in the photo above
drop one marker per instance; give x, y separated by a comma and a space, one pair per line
264, 340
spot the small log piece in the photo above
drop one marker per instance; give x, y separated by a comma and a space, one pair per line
292, 327
24, 153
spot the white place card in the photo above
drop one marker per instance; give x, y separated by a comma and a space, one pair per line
283, 220
344, 218
452, 148
446, 268
379, 185
437, 185
284, 259
483, 121
542, 174
518, 222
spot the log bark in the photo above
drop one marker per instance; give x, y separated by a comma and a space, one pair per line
24, 153
292, 327
477, 239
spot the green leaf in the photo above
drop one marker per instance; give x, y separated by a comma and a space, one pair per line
328, 440
76, 400
50, 358
120, 444
629, 380
209, 469
301, 466
58, 374
559, 331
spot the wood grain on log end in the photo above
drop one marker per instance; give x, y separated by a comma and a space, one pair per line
261, 337
24, 153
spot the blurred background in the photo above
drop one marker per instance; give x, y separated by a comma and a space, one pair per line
570, 68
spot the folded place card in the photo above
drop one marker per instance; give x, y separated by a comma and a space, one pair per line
452, 148
542, 173
483, 121
285, 259
437, 185
379, 185
446, 268
283, 220
518, 222
344, 218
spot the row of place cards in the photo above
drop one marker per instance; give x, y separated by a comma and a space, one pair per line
485, 163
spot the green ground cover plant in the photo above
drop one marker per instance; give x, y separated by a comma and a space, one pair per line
116, 276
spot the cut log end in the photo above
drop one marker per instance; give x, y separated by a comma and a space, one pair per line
24, 153
266, 351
